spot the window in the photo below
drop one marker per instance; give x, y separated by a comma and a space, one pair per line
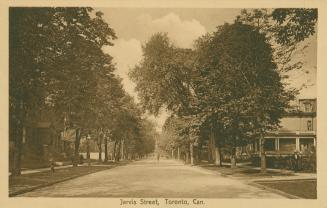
287, 144
270, 144
307, 107
309, 125
306, 144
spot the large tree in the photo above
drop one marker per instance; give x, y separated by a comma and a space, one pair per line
162, 76
55, 54
237, 65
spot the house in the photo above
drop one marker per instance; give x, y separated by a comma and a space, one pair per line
40, 138
297, 132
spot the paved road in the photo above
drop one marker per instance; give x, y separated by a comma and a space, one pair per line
148, 178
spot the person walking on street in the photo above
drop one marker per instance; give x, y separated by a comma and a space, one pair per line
158, 156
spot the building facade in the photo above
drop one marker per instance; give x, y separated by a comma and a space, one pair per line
297, 132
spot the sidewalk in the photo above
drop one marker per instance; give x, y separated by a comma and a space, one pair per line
284, 182
245, 171
296, 176
39, 178
29, 171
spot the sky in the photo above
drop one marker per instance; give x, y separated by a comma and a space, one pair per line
134, 26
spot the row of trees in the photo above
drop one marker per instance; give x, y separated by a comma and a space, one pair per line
229, 89
57, 63
129, 135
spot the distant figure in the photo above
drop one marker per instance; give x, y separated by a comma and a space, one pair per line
81, 159
158, 157
52, 163
296, 161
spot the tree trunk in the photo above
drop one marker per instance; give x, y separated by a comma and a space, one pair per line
233, 159
215, 150
17, 154
126, 153
217, 157
114, 151
122, 150
88, 152
105, 150
233, 155
199, 153
209, 152
118, 152
212, 144
178, 153
263, 155
191, 153
186, 157
18, 140
216, 145
76, 150
100, 151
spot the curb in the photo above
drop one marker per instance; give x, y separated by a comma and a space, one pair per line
271, 180
290, 196
19, 192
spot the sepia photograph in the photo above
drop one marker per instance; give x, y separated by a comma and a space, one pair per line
162, 106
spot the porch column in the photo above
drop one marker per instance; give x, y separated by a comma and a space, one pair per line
276, 144
297, 144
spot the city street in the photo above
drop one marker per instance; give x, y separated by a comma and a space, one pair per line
170, 104
149, 178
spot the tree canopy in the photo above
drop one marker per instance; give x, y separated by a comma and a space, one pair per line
229, 82
57, 63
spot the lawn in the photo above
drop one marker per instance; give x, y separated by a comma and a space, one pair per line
27, 182
306, 189
300, 188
